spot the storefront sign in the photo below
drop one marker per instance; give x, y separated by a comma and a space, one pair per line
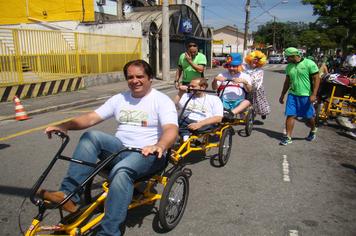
186, 26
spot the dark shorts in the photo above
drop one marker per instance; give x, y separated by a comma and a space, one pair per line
299, 106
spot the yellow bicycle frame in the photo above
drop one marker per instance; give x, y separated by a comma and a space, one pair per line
75, 227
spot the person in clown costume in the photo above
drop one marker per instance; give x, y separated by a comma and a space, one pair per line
254, 62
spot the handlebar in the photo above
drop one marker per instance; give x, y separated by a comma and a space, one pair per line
61, 135
200, 90
97, 168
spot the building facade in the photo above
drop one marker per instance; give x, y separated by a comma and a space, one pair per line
229, 40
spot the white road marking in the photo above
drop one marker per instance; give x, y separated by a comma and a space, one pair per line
285, 166
293, 232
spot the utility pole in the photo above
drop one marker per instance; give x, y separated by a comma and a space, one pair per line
119, 9
274, 34
247, 9
165, 41
203, 14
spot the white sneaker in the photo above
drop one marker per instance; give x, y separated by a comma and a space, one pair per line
350, 133
185, 138
344, 122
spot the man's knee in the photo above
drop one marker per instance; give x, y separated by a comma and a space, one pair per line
91, 134
121, 178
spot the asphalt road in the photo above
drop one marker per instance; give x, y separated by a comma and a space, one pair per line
251, 195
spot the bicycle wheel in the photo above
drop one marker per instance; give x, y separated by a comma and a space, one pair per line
249, 122
174, 200
225, 146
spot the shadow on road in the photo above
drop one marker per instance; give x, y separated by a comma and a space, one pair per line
3, 146
136, 216
274, 134
269, 133
194, 157
16, 191
349, 166
258, 122
279, 71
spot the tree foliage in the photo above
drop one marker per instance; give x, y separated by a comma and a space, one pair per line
335, 27
338, 17
284, 34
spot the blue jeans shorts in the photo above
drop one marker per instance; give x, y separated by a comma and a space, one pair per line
299, 106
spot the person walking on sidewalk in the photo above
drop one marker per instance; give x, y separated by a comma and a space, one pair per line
302, 81
146, 119
191, 64
254, 61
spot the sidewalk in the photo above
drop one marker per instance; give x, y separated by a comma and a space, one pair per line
70, 99
88, 95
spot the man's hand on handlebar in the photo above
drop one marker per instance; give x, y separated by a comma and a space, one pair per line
183, 88
52, 129
194, 126
220, 78
153, 149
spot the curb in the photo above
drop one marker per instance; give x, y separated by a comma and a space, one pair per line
74, 104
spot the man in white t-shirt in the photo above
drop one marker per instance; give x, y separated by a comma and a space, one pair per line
146, 119
202, 111
233, 85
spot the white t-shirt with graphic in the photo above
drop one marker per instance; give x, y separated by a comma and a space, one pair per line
233, 91
201, 108
140, 120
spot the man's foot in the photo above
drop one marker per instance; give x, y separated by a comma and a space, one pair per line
312, 135
228, 114
57, 197
285, 141
263, 117
350, 133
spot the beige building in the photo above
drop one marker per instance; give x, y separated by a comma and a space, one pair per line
229, 40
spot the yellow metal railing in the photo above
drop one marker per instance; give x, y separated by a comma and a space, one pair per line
29, 56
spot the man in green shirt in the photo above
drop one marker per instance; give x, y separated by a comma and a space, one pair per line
191, 64
302, 83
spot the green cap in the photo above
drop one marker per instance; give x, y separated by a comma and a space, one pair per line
291, 51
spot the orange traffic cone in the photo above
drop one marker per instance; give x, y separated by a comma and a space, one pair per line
19, 110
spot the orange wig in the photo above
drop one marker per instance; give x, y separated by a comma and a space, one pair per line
252, 56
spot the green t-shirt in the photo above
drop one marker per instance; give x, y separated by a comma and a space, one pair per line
300, 77
189, 72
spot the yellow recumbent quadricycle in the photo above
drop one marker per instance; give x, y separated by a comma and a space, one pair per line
218, 136
84, 221
336, 97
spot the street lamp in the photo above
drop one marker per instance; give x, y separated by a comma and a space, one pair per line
247, 9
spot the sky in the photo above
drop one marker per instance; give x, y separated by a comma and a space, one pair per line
218, 13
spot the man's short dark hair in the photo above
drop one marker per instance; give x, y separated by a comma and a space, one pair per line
139, 63
190, 41
202, 82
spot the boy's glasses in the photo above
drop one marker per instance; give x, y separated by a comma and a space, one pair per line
192, 45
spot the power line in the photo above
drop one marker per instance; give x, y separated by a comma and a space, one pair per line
230, 20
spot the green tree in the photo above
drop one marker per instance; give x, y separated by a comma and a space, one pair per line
338, 17
285, 34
